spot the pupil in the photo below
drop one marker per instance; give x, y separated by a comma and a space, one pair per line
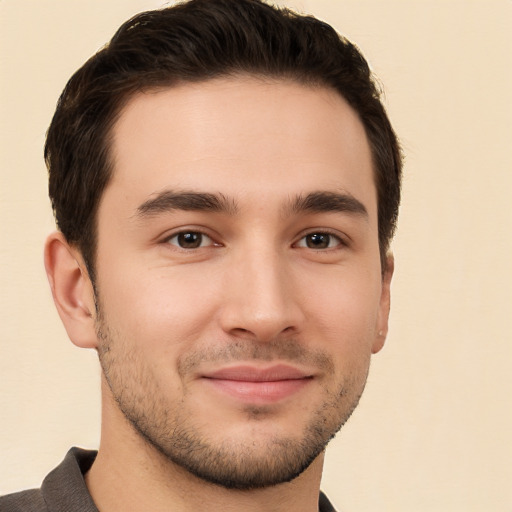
318, 241
189, 240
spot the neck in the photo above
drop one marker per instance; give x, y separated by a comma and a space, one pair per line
131, 475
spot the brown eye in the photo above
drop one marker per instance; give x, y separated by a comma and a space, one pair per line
190, 240
319, 241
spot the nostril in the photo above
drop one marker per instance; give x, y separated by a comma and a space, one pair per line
240, 330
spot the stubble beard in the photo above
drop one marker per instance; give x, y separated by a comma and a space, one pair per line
242, 464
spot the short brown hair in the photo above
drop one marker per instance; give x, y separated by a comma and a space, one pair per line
197, 41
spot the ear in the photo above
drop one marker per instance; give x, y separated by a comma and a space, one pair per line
385, 299
72, 290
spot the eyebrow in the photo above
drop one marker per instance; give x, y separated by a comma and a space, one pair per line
323, 201
314, 202
170, 200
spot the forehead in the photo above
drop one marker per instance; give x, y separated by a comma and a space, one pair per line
239, 136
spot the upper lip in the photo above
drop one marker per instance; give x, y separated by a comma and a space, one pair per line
248, 373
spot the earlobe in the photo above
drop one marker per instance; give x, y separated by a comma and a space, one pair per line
71, 289
385, 301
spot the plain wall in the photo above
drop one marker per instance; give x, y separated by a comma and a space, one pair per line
433, 430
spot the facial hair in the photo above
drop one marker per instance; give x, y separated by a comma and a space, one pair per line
169, 425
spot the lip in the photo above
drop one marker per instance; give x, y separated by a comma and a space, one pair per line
256, 385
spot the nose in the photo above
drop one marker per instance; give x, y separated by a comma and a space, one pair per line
260, 298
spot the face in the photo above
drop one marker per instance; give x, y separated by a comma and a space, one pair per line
239, 286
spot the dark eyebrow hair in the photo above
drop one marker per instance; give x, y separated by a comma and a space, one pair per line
323, 201
169, 200
314, 202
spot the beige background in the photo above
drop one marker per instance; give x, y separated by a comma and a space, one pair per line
433, 431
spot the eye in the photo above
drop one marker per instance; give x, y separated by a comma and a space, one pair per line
320, 241
190, 240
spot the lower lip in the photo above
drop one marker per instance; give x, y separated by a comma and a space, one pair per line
259, 392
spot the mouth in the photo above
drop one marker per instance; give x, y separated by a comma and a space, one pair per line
255, 385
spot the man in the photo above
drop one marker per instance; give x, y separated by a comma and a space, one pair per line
226, 183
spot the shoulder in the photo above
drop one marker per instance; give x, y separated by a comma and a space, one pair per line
324, 505
63, 489
24, 501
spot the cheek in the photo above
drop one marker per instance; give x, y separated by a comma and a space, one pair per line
346, 309
159, 306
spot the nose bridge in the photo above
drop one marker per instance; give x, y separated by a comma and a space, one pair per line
260, 300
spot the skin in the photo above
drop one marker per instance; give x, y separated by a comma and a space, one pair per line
271, 282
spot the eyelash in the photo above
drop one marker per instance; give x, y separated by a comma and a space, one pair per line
340, 242
186, 232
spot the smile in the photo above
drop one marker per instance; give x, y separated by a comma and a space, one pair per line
258, 385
